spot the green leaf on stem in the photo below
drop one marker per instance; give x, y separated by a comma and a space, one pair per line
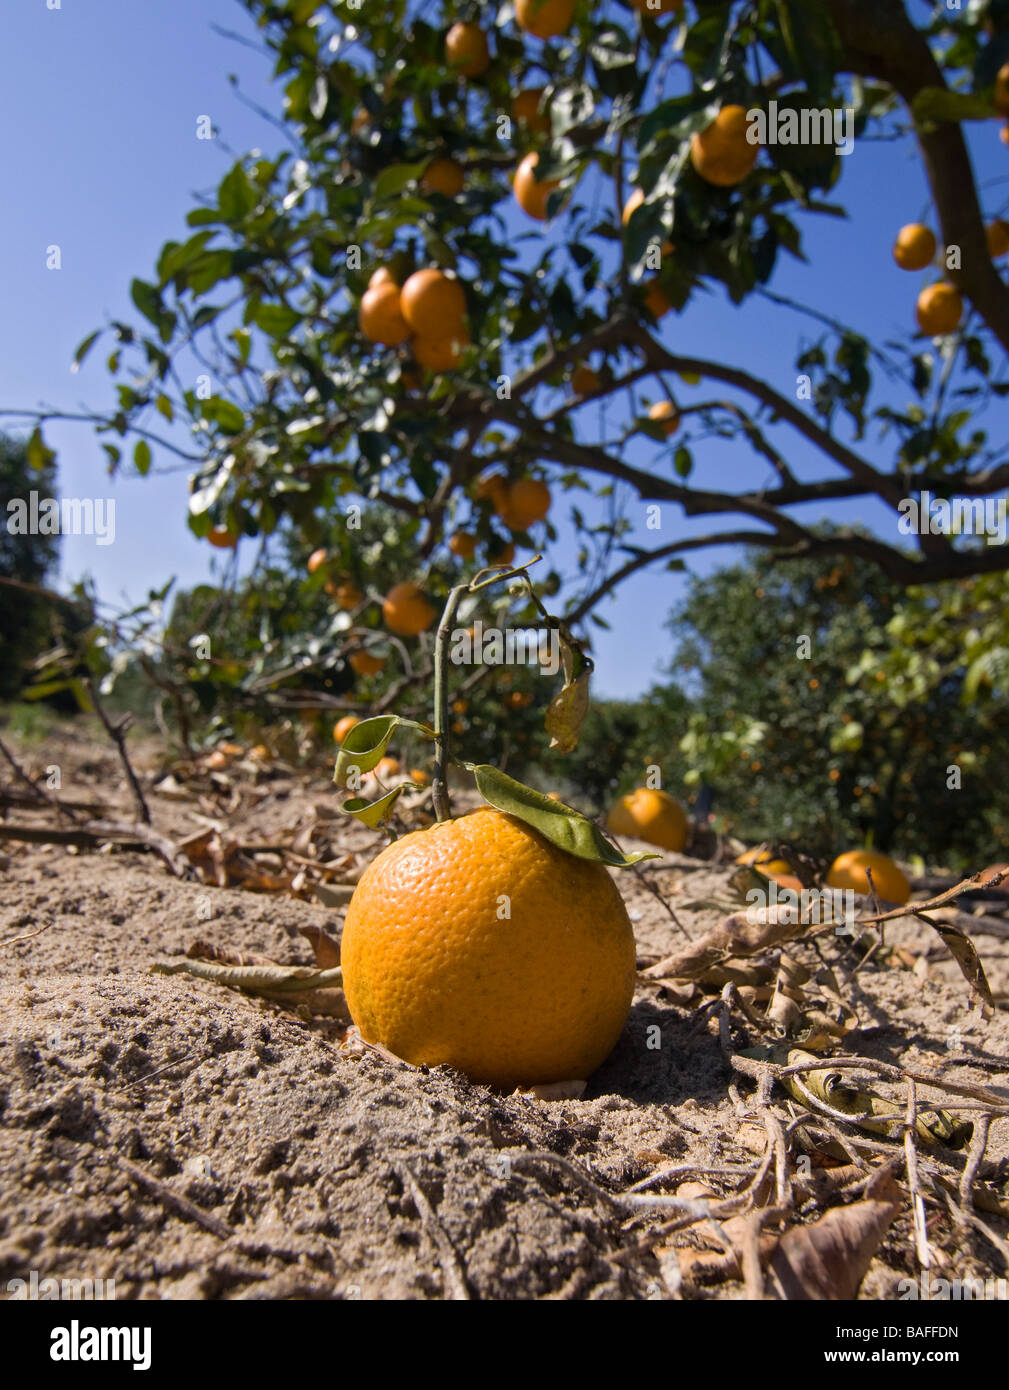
373, 813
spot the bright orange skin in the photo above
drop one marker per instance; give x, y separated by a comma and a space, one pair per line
387, 767
997, 235
434, 972
665, 413
382, 276
778, 869
532, 197
347, 594
365, 663
914, 247
523, 503
221, 538
406, 611
632, 205
343, 726
848, 871
940, 309
544, 19
652, 815
440, 354
656, 300
380, 317
445, 176
433, 305
316, 560
526, 110
466, 50
1002, 90
721, 153
419, 777
462, 545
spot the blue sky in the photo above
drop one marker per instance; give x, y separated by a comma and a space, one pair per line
99, 108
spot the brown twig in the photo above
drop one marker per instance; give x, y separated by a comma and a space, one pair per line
117, 733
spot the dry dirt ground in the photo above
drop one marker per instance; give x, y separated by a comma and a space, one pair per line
192, 1142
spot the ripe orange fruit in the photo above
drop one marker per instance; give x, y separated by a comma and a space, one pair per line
406, 611
382, 276
526, 110
940, 309
997, 234
1002, 90
914, 247
466, 50
434, 971
434, 305
460, 706
770, 867
366, 663
519, 699
651, 815
532, 197
489, 485
665, 412
419, 776
656, 300
721, 153
346, 593
523, 503
443, 175
848, 871
316, 560
584, 380
632, 205
1003, 134
544, 19
440, 354
387, 767
221, 538
463, 545
343, 726
380, 317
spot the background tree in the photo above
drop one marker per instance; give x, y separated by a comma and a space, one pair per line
26, 560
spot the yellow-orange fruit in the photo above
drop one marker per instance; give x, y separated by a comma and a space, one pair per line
406, 611
466, 50
914, 247
388, 767
316, 560
849, 871
997, 236
1002, 90
380, 317
526, 110
666, 414
462, 544
445, 176
419, 777
544, 19
532, 197
940, 309
343, 726
366, 663
433, 973
652, 815
656, 300
523, 503
433, 304
440, 354
382, 276
721, 153
221, 538
632, 205
346, 593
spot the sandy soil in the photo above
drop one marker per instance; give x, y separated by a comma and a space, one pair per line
188, 1141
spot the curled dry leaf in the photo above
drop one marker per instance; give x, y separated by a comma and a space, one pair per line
828, 1259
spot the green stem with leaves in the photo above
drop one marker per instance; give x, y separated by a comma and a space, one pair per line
442, 804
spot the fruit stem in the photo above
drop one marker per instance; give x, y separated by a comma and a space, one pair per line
439, 789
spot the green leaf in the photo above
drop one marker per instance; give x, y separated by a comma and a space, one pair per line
275, 319
142, 457
84, 348
373, 813
165, 407
365, 745
937, 104
394, 179
148, 301
564, 827
39, 453
236, 196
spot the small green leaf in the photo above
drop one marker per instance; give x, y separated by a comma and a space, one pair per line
275, 319
236, 196
142, 457
147, 300
84, 348
373, 813
934, 104
564, 827
39, 454
365, 745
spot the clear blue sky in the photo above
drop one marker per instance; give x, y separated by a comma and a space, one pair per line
99, 107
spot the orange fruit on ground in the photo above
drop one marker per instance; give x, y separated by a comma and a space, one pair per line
656, 300
380, 316
652, 815
216, 761
260, 754
848, 871
544, 19
665, 412
914, 247
419, 776
632, 205
443, 175
387, 767
434, 305
532, 197
526, 110
584, 380
1002, 90
940, 309
997, 235
721, 153
366, 663
406, 611
382, 276
463, 545
343, 726
466, 50
460, 706
523, 503
316, 560
440, 354
434, 972
778, 869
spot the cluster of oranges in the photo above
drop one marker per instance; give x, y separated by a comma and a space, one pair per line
429, 312
940, 306
519, 503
